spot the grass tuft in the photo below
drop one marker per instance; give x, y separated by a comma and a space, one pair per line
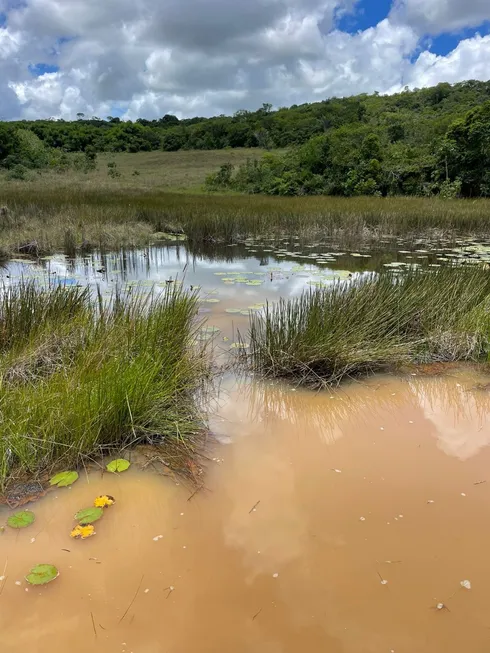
80, 377
375, 323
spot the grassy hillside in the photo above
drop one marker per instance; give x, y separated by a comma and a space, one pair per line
433, 141
142, 171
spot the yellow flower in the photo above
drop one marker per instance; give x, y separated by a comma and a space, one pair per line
104, 501
82, 532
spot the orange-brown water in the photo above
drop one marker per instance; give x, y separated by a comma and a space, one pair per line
303, 570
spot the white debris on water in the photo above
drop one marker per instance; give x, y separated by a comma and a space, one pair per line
466, 584
157, 537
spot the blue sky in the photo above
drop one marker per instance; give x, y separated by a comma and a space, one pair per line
205, 57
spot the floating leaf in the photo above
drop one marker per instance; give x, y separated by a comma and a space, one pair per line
89, 515
63, 479
466, 584
238, 345
81, 532
119, 465
21, 519
104, 501
42, 574
233, 310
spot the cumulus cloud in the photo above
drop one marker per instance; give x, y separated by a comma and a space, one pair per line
469, 60
437, 16
204, 57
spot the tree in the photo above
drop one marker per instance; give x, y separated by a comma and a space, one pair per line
8, 141
466, 152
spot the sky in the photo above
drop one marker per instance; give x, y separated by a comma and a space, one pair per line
145, 58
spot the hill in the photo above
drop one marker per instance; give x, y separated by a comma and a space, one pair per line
426, 141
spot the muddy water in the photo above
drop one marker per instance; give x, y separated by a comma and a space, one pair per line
311, 501
329, 522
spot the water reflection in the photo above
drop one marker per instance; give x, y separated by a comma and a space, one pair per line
450, 409
459, 414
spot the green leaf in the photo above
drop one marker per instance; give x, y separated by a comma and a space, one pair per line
21, 519
89, 515
42, 574
63, 479
119, 465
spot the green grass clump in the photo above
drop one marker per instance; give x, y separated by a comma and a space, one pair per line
377, 323
80, 377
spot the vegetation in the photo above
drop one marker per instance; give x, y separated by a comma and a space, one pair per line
81, 377
422, 142
379, 323
355, 160
42, 218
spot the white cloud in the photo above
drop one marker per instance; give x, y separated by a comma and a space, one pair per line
437, 16
470, 60
205, 57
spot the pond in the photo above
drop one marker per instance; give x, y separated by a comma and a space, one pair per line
340, 521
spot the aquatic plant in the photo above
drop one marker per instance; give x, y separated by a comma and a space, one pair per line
81, 376
374, 323
81, 218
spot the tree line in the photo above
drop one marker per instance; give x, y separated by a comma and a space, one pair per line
426, 141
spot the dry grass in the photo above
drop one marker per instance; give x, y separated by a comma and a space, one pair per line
169, 171
62, 211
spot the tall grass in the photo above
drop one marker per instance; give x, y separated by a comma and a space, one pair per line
80, 378
374, 323
96, 216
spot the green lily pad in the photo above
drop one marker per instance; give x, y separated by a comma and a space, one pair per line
119, 465
63, 479
233, 310
238, 345
21, 519
211, 300
42, 574
89, 515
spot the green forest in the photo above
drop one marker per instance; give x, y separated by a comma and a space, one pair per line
431, 141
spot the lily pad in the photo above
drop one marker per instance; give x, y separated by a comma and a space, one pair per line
89, 515
119, 465
21, 519
42, 574
63, 479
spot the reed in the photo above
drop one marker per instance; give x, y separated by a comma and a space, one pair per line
378, 322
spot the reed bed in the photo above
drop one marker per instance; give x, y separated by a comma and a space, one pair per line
80, 217
374, 323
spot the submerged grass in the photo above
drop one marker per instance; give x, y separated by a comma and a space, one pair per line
79, 377
375, 323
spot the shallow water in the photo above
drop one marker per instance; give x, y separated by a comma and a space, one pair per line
333, 521
311, 501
